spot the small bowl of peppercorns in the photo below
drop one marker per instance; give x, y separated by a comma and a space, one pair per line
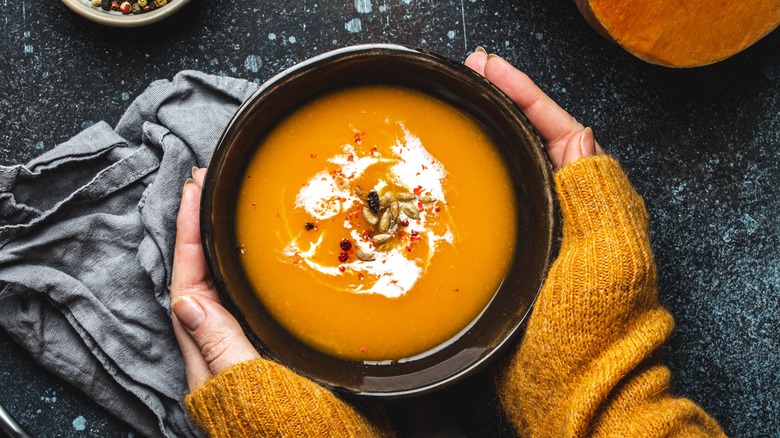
125, 13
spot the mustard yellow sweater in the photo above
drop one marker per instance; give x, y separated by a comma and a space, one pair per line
587, 364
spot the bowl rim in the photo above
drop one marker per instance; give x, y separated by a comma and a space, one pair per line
98, 15
538, 152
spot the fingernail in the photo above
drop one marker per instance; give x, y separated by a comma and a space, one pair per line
480, 49
186, 183
194, 169
587, 143
493, 55
188, 312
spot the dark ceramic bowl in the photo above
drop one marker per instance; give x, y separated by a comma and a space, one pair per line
501, 321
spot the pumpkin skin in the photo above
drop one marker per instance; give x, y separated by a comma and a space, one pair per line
689, 33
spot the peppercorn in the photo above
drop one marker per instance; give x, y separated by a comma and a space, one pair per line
97, 3
345, 244
343, 257
125, 7
160, 3
309, 226
115, 5
106, 5
142, 3
135, 8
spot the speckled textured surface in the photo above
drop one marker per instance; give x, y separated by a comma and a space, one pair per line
701, 146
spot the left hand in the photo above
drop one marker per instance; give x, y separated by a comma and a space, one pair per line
210, 338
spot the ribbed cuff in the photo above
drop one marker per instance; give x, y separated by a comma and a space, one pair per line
596, 196
263, 398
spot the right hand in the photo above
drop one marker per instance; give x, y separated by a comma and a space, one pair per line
566, 139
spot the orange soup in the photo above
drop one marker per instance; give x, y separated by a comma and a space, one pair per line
376, 222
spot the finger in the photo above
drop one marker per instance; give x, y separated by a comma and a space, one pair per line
580, 145
554, 124
216, 333
195, 366
190, 273
476, 61
199, 174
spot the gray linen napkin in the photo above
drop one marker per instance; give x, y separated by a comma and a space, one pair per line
86, 243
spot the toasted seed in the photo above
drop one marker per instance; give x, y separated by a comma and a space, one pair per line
359, 192
385, 200
381, 238
370, 217
426, 199
384, 221
373, 201
406, 197
395, 210
410, 210
365, 256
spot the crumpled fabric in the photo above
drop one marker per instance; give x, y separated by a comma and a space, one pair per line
86, 245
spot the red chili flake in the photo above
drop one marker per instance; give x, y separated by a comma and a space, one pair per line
313, 155
254, 205
249, 177
343, 257
437, 209
418, 191
350, 157
342, 268
456, 290
296, 259
358, 140
424, 167
345, 244
420, 206
414, 233
363, 350
409, 248
405, 222
361, 276
383, 262
374, 150
241, 249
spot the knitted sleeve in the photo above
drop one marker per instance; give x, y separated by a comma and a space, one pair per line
588, 363
261, 398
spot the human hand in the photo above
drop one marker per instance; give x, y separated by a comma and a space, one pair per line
566, 139
210, 338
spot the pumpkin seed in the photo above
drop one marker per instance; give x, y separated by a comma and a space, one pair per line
365, 256
406, 197
386, 199
395, 210
384, 222
370, 217
410, 210
426, 199
381, 238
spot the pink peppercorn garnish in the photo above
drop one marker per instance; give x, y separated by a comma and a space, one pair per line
343, 257
345, 244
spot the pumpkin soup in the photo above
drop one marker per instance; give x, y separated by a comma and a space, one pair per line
376, 222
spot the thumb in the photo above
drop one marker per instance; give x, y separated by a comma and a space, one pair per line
217, 334
581, 144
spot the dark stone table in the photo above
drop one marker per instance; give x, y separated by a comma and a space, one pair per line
701, 145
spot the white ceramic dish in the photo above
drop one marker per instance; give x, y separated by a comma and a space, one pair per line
118, 19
